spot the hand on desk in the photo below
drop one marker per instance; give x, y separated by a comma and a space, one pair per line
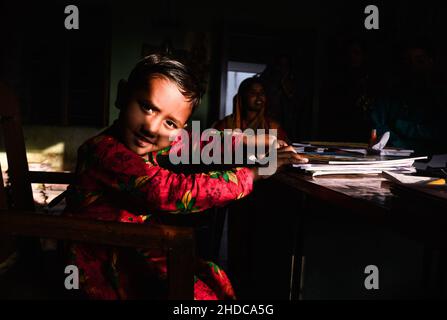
286, 155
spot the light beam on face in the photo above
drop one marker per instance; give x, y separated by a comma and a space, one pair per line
153, 114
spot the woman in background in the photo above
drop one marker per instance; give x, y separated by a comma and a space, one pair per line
249, 110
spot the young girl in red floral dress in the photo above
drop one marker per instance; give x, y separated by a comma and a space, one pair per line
119, 179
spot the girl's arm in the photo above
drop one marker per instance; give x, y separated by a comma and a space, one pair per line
159, 189
227, 143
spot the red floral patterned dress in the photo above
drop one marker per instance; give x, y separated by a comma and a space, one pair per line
113, 183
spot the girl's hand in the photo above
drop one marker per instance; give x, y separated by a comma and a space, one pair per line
285, 156
281, 144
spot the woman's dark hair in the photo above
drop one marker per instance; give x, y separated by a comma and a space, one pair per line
246, 84
172, 69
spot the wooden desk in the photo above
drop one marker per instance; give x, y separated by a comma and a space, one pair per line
374, 199
365, 198
370, 195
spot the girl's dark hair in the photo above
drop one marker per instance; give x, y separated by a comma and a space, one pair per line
160, 64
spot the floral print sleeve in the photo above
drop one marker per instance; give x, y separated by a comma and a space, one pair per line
117, 169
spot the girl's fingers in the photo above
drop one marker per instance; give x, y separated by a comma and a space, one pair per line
291, 157
285, 149
281, 143
286, 154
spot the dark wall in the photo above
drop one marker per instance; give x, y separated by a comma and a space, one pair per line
41, 59
344, 88
60, 75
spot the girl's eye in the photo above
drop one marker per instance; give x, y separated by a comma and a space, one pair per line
171, 124
147, 108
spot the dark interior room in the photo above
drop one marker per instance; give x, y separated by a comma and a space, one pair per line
346, 102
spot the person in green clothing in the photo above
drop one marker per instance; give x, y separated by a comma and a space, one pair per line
415, 110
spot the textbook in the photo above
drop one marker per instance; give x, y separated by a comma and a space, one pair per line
345, 158
352, 147
341, 162
359, 171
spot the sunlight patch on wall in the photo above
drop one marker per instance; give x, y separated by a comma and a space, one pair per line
48, 159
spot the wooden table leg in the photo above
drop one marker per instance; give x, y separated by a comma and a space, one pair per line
298, 259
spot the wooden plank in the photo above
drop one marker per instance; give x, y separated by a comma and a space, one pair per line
14, 140
94, 231
22, 195
179, 242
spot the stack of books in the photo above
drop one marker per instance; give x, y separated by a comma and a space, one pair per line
360, 148
327, 160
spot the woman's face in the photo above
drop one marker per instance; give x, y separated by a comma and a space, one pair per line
255, 97
152, 115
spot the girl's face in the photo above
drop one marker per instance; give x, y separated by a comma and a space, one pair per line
152, 115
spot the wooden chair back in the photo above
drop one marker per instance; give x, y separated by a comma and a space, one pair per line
18, 218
